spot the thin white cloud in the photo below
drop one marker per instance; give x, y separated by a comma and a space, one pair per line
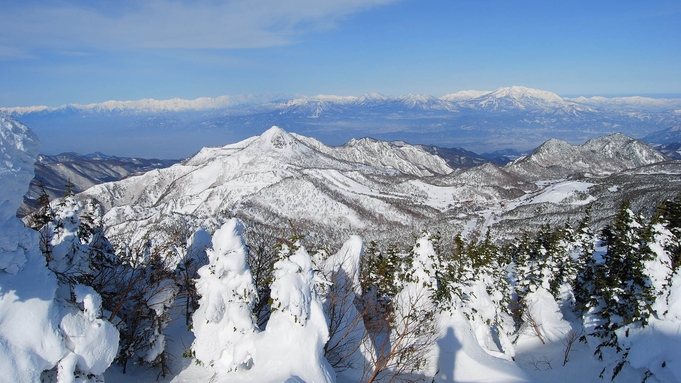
8, 53
168, 23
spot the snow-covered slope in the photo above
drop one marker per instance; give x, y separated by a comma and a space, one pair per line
83, 172
368, 185
406, 158
600, 156
274, 173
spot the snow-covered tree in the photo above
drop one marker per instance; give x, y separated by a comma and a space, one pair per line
297, 325
488, 293
643, 337
72, 249
583, 289
228, 294
623, 292
51, 327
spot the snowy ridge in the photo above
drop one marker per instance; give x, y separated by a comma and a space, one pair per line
600, 156
506, 97
149, 105
481, 121
408, 159
364, 185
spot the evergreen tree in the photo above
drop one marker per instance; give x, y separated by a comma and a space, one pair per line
40, 219
584, 287
669, 215
622, 291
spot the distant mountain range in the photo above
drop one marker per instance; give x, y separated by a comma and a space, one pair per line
480, 121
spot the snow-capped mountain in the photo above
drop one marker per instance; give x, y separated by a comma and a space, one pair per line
408, 159
482, 121
379, 188
272, 174
601, 156
149, 105
390, 188
518, 97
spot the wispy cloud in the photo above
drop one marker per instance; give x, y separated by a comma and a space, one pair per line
70, 25
12, 53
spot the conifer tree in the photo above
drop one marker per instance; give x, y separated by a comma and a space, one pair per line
584, 288
622, 291
405, 338
669, 214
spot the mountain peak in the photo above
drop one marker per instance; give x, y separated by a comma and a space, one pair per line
277, 138
600, 156
520, 97
372, 97
521, 92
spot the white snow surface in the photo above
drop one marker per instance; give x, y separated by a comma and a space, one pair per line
461, 359
559, 192
37, 331
30, 341
93, 341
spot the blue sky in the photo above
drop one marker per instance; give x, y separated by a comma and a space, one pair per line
67, 51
